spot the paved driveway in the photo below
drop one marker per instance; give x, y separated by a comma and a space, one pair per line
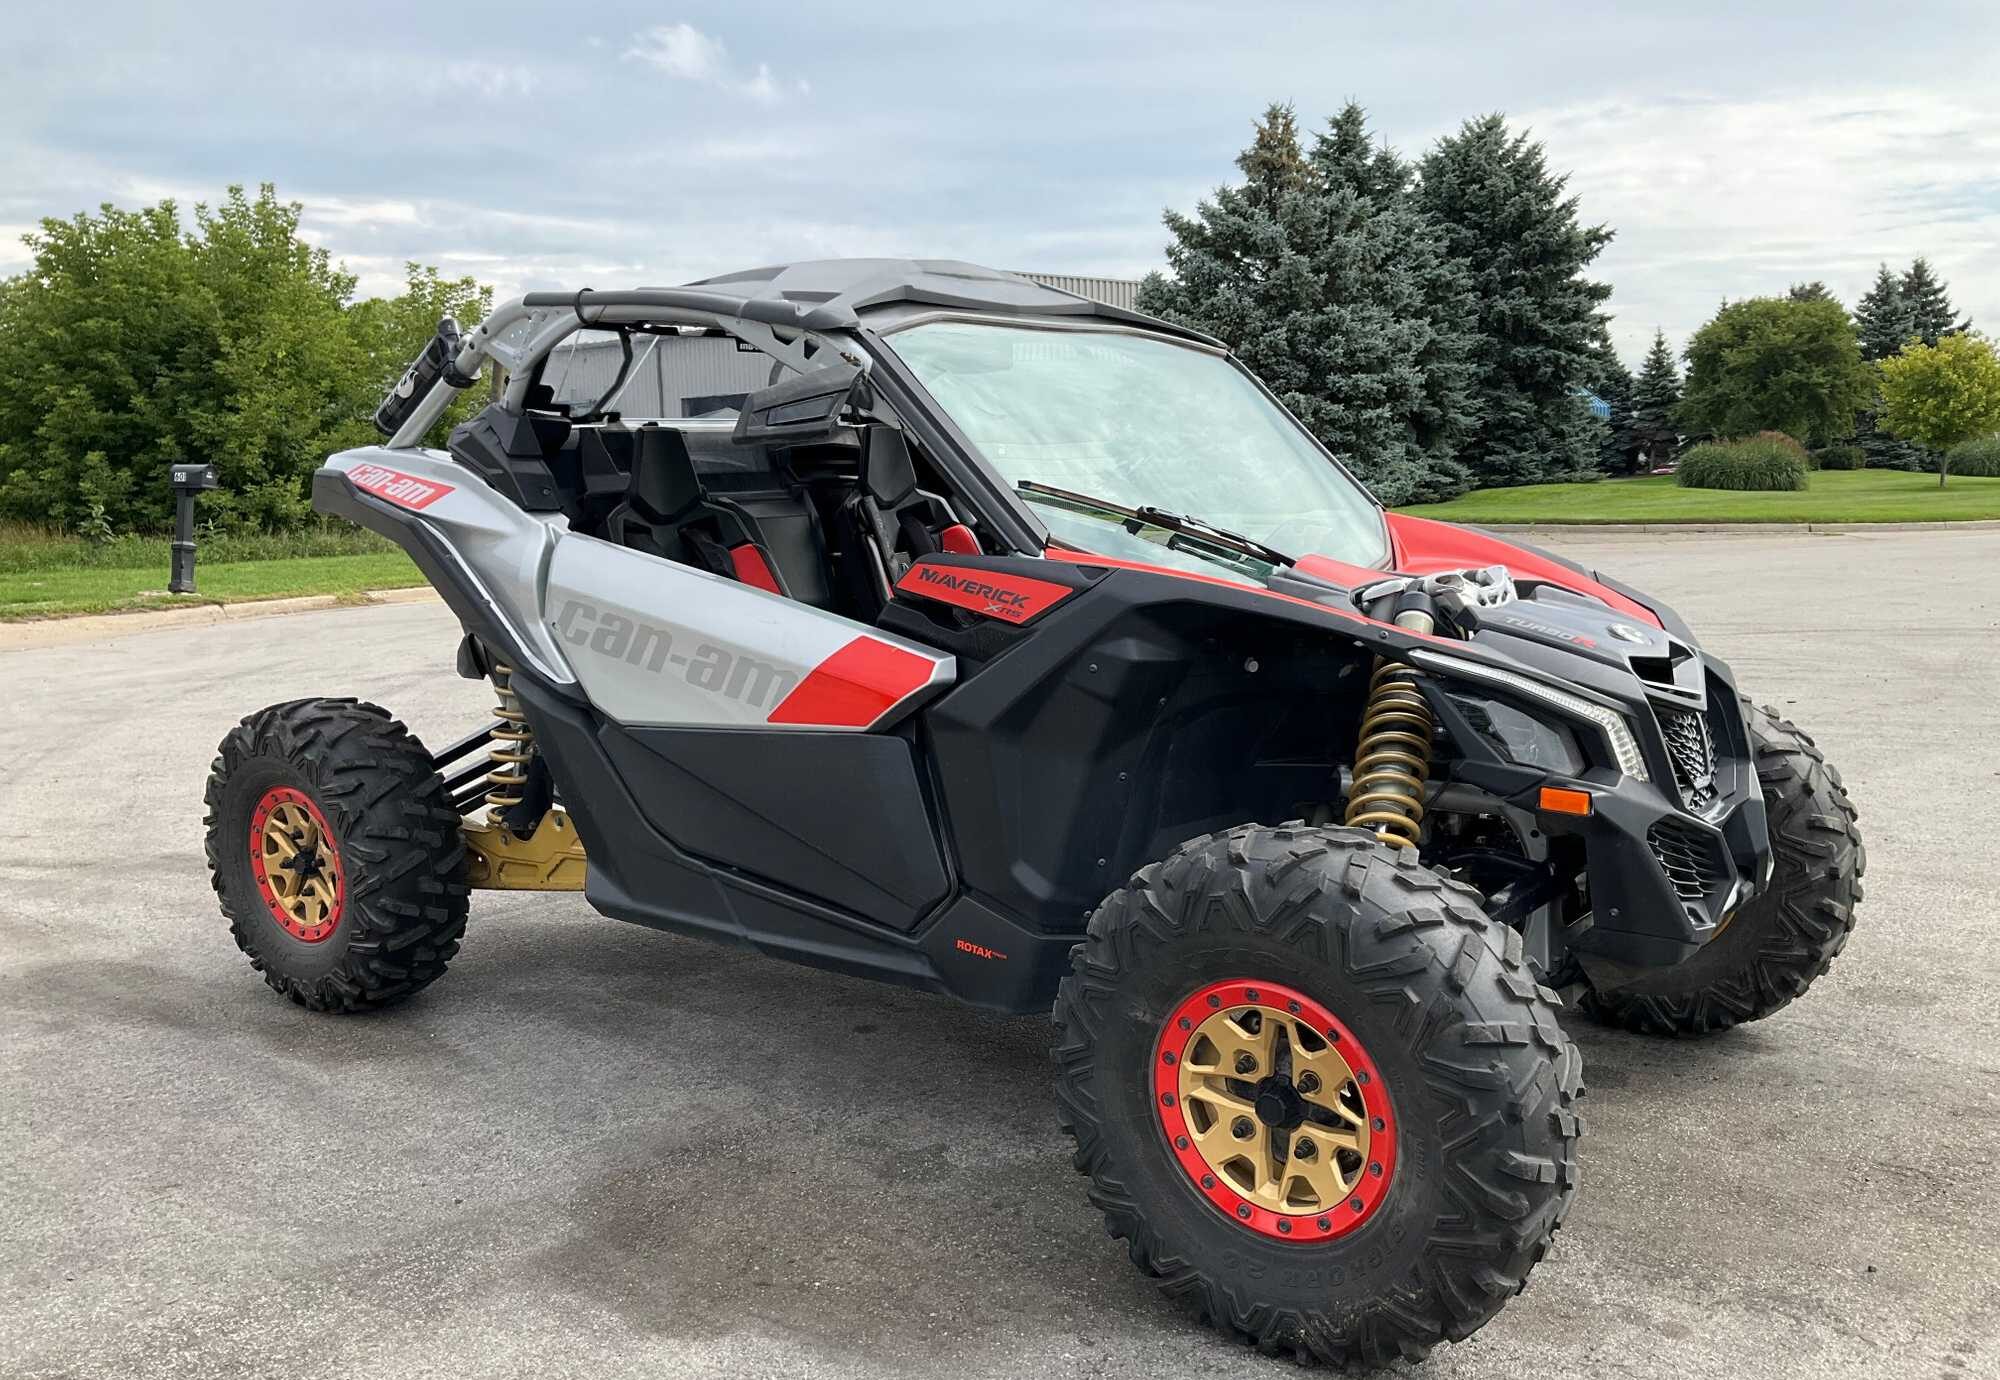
597, 1151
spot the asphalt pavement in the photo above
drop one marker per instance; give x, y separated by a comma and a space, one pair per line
597, 1151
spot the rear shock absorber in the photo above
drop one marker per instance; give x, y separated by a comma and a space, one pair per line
513, 744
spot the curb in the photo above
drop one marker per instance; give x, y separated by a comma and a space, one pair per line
1731, 529
93, 627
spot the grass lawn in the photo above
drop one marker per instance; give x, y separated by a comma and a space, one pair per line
1830, 496
53, 592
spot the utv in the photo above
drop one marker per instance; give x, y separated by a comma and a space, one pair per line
1010, 645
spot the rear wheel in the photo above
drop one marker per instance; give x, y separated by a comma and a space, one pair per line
336, 854
1317, 1092
1777, 944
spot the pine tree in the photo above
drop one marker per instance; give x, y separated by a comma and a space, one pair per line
1930, 309
1883, 317
1320, 272
1815, 291
1656, 398
1506, 219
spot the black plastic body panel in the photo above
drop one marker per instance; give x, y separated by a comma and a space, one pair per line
510, 451
1126, 724
839, 816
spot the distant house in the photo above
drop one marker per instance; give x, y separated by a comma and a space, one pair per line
1113, 292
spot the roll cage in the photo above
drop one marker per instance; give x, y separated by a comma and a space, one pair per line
520, 335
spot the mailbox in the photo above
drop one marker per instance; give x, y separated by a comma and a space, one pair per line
189, 483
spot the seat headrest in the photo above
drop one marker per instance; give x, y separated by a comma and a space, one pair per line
663, 478
888, 472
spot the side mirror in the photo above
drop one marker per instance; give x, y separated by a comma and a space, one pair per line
805, 407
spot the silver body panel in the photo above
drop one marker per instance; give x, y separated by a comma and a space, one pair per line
503, 551
654, 642
649, 641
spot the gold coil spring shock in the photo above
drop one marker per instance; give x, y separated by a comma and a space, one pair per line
513, 744
1392, 760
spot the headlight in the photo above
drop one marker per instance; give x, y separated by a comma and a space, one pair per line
1617, 732
1521, 737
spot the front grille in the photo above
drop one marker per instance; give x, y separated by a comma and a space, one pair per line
1692, 752
1688, 856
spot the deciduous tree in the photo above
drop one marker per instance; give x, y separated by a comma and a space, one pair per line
1773, 364
1939, 395
134, 341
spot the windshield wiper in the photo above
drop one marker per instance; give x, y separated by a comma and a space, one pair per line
1149, 516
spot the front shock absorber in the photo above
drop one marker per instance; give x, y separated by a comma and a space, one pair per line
1392, 759
513, 744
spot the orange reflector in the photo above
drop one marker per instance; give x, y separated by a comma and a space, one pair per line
1560, 802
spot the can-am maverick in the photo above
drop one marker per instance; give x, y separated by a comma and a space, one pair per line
1010, 645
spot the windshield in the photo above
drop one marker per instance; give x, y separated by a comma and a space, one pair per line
1140, 421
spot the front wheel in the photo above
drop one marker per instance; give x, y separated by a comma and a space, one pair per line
1317, 1092
1775, 945
336, 854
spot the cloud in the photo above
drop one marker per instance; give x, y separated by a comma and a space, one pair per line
490, 79
684, 52
1712, 197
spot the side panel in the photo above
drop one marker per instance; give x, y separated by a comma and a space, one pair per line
654, 642
837, 816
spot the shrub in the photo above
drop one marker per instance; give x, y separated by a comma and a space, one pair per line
1978, 458
1842, 458
1770, 460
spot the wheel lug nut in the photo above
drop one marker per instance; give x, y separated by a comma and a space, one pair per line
1241, 1128
1304, 1150
1245, 1064
1308, 1082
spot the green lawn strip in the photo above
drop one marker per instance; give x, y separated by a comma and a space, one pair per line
56, 593
1830, 496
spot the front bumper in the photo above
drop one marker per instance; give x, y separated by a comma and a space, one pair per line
1667, 860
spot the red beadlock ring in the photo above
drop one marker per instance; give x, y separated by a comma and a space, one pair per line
1379, 1167
292, 922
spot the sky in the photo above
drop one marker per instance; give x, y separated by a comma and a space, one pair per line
627, 143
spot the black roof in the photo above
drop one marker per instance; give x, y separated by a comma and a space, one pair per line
856, 286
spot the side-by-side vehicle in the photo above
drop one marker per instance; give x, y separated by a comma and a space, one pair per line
1005, 644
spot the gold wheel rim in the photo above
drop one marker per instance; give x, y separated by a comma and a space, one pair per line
297, 865
1274, 1110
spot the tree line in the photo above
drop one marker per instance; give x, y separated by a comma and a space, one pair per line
1431, 322
1800, 364
1435, 325
135, 340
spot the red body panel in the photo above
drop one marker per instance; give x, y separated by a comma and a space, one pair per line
855, 686
1424, 546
